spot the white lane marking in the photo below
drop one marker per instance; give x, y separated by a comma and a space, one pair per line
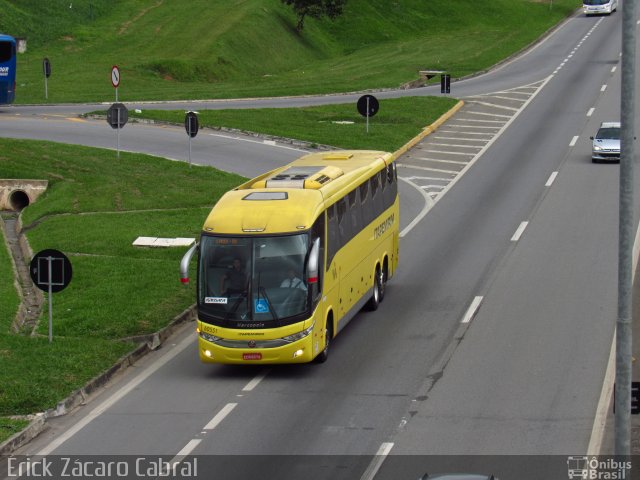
495, 114
519, 231
552, 178
573, 141
428, 203
254, 383
613, 69
439, 160
464, 154
117, 396
603, 87
377, 461
602, 411
455, 145
186, 450
472, 310
260, 142
590, 112
269, 142
221, 415
493, 105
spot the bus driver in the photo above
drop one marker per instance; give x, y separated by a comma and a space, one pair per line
235, 279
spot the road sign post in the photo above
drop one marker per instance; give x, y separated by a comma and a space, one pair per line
192, 126
117, 117
51, 272
445, 83
368, 106
46, 70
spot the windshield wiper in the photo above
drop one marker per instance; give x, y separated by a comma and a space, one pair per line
270, 306
234, 308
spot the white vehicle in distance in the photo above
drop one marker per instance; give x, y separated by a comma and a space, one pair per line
599, 7
606, 143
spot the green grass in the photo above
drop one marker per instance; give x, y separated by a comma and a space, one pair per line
170, 49
397, 121
94, 208
11, 426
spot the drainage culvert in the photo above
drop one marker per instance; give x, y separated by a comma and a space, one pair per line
15, 195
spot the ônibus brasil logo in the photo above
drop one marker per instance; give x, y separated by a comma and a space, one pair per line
595, 468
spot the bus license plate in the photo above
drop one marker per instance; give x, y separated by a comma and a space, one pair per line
252, 356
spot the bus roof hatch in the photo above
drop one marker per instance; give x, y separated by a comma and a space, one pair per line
313, 177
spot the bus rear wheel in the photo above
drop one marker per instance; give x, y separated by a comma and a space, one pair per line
378, 291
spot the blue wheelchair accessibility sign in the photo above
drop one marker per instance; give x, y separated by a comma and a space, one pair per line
261, 305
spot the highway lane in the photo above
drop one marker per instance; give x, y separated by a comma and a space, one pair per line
373, 390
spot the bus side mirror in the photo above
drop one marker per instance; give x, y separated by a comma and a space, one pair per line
184, 264
313, 262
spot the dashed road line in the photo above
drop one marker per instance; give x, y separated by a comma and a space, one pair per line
516, 236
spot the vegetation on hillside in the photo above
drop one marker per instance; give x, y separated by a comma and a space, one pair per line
170, 49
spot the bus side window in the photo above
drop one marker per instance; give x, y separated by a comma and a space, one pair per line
344, 221
333, 237
355, 212
391, 190
365, 204
376, 196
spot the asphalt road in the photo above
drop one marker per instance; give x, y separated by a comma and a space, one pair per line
493, 338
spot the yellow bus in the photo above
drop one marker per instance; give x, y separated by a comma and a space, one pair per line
287, 259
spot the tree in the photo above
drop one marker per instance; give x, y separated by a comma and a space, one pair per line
315, 9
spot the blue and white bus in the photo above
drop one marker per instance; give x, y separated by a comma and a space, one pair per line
7, 69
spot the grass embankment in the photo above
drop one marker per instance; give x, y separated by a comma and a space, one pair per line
94, 208
170, 49
397, 121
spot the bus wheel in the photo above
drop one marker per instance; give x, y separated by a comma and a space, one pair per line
383, 282
376, 297
324, 354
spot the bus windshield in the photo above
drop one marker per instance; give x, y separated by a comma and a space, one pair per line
253, 282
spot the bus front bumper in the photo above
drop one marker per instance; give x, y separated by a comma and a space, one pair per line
301, 351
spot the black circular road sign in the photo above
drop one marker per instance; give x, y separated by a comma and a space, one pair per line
191, 124
368, 105
117, 115
46, 67
50, 267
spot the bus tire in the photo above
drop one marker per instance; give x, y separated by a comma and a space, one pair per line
374, 301
324, 354
384, 275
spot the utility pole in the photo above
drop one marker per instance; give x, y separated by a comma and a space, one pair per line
626, 237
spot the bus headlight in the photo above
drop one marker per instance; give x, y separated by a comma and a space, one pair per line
209, 338
298, 336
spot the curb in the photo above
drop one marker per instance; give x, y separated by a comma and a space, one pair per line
428, 130
39, 421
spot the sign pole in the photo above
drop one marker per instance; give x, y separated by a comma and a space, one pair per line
118, 129
368, 114
49, 259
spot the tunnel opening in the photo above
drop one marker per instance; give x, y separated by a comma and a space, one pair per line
18, 200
